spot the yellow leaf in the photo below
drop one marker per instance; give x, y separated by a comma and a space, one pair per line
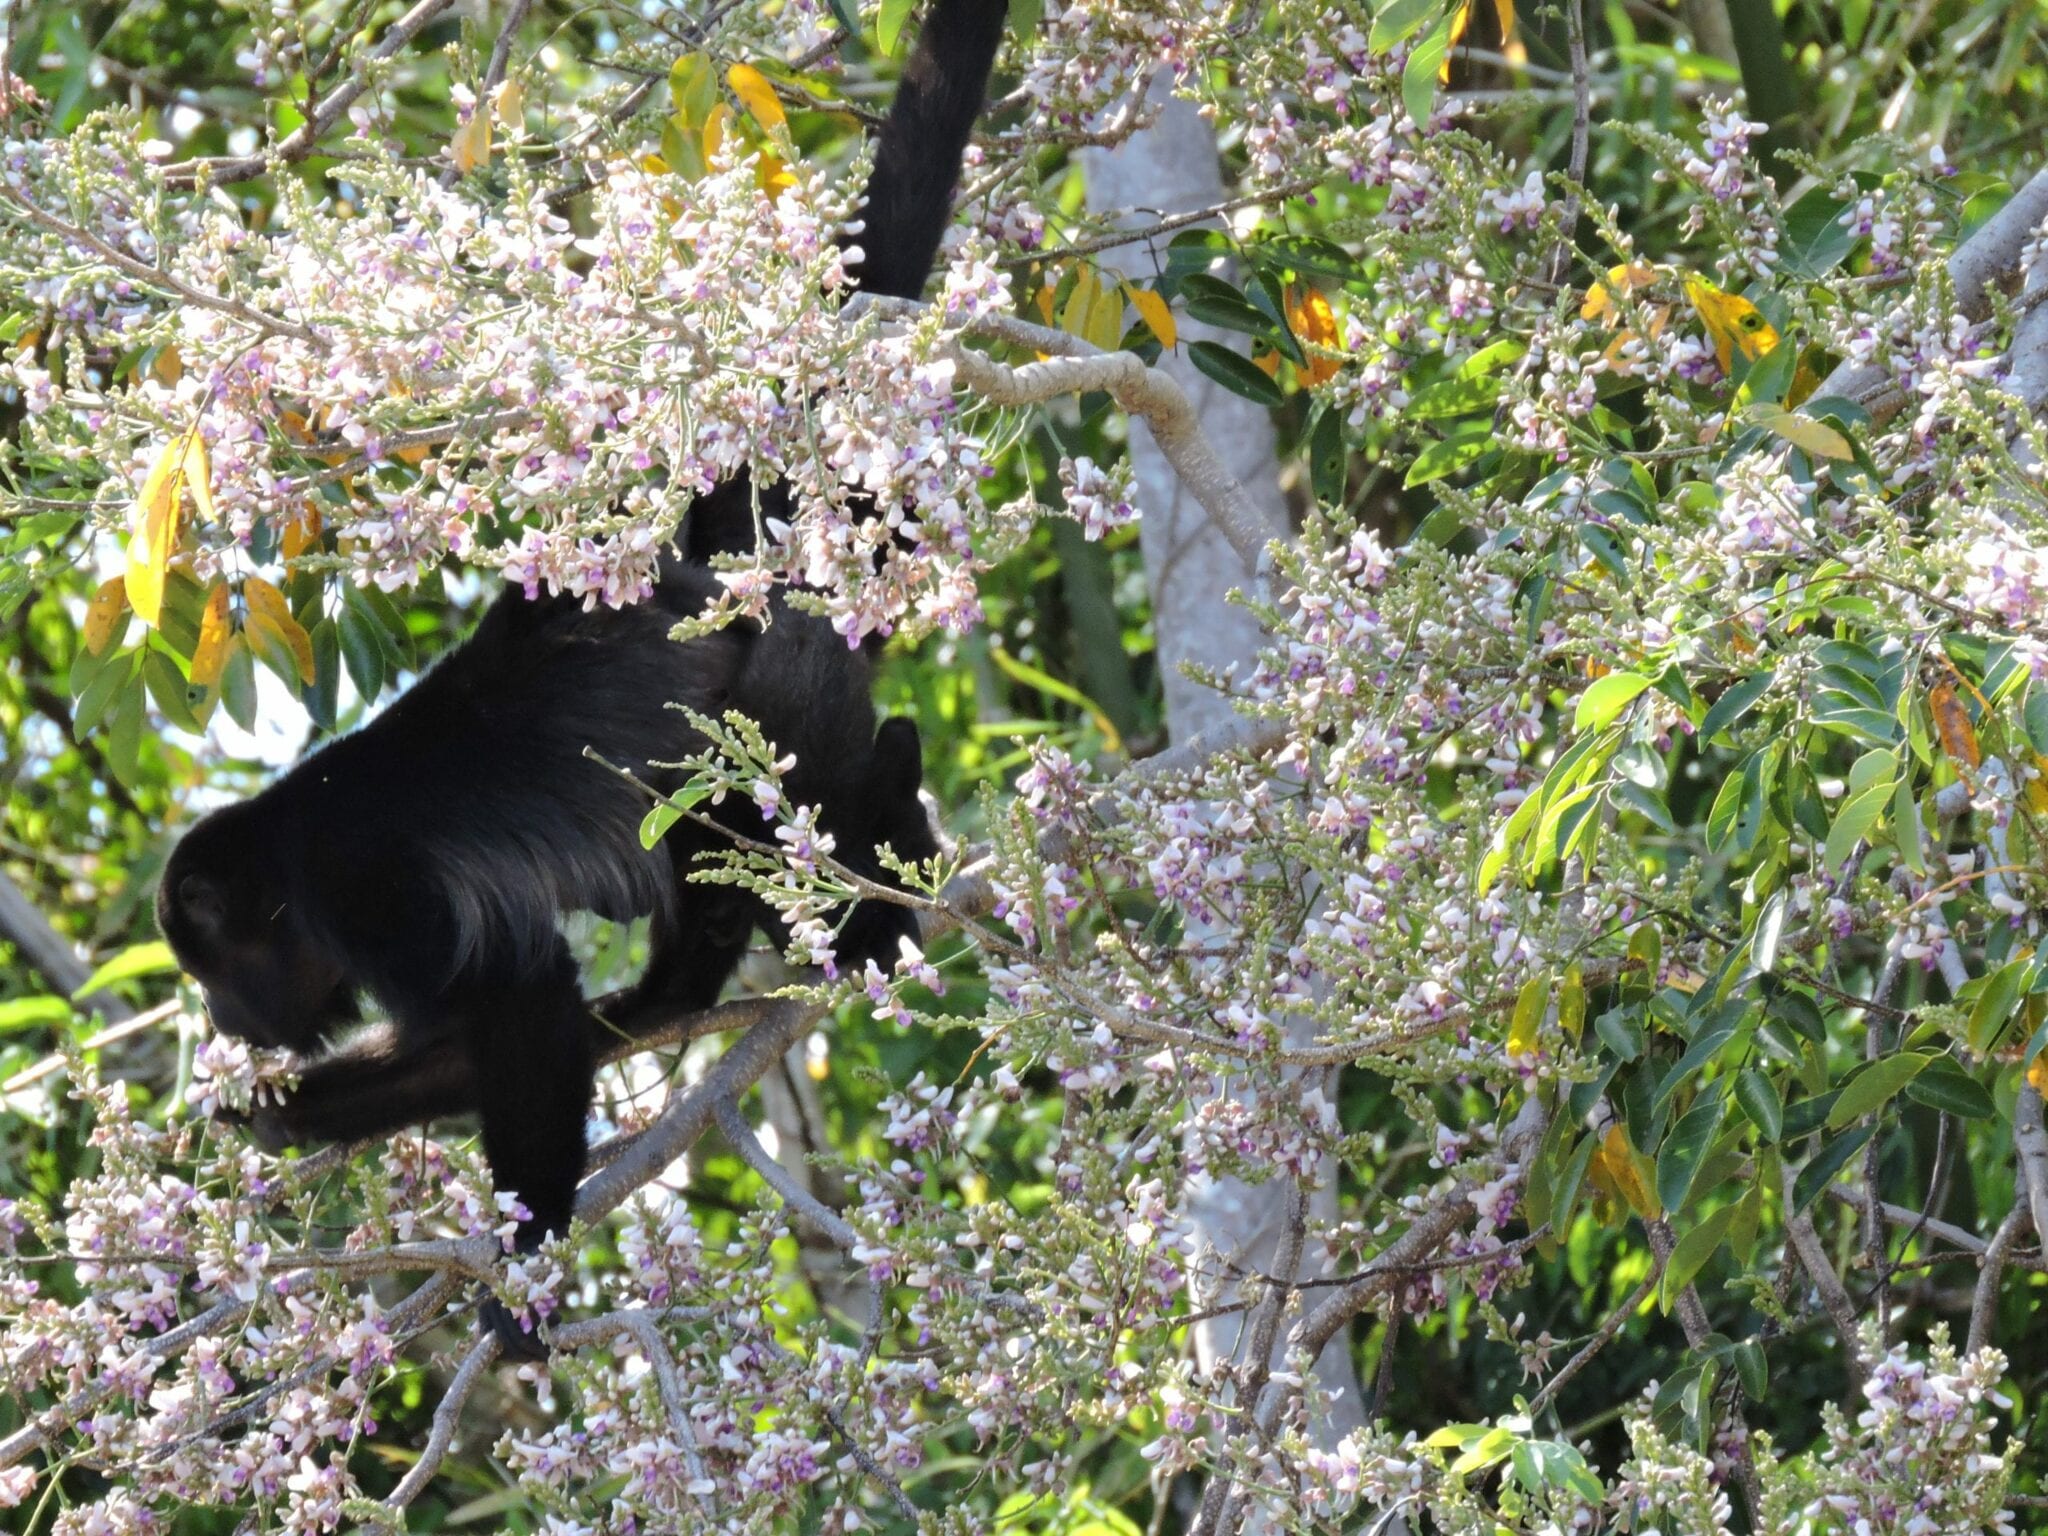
1267, 363
1620, 281
2037, 787
1459, 23
1815, 437
509, 102
471, 146
1505, 11
168, 367
1153, 310
268, 611
714, 130
210, 653
156, 529
1626, 1174
1731, 320
1571, 1004
1044, 302
654, 165
756, 95
1315, 323
302, 532
1528, 1016
771, 175
103, 615
2037, 1075
1080, 303
1106, 317
1952, 724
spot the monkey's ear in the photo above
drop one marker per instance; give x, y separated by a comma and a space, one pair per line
898, 766
203, 904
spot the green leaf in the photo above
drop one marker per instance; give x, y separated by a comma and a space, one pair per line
1998, 995
1736, 700
1234, 372
1757, 1097
148, 959
1873, 1086
1419, 74
1399, 20
1770, 928
889, 22
1469, 441
1853, 823
1454, 397
1820, 1173
124, 735
1752, 1368
1689, 1255
1678, 1160
1607, 697
360, 651
238, 684
1947, 1086
38, 1012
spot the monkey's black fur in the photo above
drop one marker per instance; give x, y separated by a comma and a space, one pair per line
909, 199
424, 859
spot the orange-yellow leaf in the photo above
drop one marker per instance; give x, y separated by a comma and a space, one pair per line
714, 130
1153, 310
1459, 23
1267, 363
756, 95
1602, 295
772, 175
270, 612
1505, 11
1952, 724
104, 615
302, 532
2037, 1075
168, 367
210, 653
155, 534
1044, 302
1626, 1174
1315, 324
1732, 321
471, 146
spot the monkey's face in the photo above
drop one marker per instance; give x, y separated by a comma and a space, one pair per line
233, 931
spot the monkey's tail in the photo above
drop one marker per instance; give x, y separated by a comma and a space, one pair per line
917, 156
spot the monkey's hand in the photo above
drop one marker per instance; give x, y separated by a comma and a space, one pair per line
517, 1340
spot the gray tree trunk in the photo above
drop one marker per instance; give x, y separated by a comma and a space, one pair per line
1169, 168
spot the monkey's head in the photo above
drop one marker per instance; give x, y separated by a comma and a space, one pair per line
224, 907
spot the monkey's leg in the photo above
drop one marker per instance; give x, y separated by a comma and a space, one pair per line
370, 1091
533, 1071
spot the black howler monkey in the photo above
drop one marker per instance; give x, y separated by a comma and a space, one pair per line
424, 859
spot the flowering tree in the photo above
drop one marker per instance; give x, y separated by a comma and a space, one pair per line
1608, 929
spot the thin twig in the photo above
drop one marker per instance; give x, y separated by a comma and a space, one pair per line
1984, 1305
1608, 1329
447, 1415
801, 1201
1582, 128
304, 139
